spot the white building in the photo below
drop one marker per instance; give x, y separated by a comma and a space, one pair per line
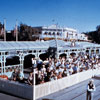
54, 31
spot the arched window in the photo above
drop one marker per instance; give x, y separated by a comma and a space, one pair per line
53, 33
73, 54
34, 51
63, 55
58, 33
49, 33
87, 51
45, 33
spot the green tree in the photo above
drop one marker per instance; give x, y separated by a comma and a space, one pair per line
1, 26
94, 35
25, 32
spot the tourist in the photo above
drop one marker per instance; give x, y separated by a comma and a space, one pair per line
14, 75
59, 75
75, 69
70, 70
30, 79
90, 90
52, 69
34, 64
20, 76
65, 72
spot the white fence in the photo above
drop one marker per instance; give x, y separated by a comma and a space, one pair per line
54, 86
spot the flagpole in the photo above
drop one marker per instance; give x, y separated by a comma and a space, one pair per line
4, 29
56, 41
16, 30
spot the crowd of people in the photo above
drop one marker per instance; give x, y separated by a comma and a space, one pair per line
18, 75
53, 69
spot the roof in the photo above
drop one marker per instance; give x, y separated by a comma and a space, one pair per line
5, 46
41, 45
67, 45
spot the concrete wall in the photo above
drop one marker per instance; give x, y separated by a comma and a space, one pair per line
17, 89
54, 86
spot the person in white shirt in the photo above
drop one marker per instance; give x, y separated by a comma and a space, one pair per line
90, 90
20, 76
34, 62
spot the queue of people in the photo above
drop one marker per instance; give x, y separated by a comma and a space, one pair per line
53, 69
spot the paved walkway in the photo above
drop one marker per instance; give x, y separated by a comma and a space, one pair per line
76, 92
4, 96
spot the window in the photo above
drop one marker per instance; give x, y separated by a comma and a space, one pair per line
53, 33
34, 51
58, 33
45, 33
49, 33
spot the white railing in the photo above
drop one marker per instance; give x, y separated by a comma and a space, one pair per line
54, 86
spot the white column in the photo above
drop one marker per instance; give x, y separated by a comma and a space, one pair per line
1, 64
89, 51
22, 63
21, 56
37, 51
34, 86
3, 60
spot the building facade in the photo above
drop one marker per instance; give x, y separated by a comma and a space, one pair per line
54, 31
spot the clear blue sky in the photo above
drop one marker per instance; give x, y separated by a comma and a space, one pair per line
83, 15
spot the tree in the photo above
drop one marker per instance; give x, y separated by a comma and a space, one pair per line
94, 35
98, 28
25, 32
1, 26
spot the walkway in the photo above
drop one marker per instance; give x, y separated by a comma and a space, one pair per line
76, 92
4, 96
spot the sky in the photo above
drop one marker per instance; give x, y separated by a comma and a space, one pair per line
83, 15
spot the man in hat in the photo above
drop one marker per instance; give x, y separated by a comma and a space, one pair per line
90, 89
